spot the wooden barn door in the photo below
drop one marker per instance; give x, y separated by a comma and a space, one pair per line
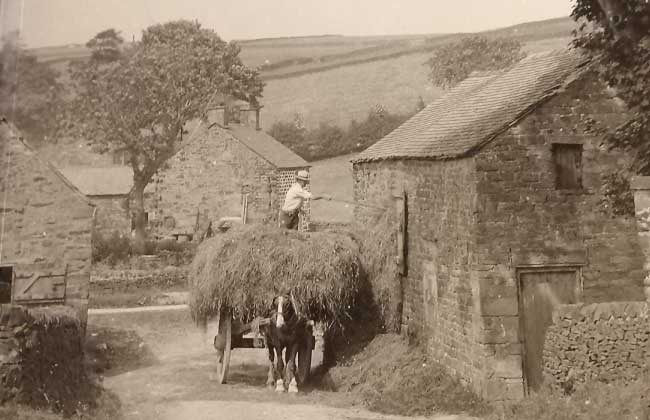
540, 293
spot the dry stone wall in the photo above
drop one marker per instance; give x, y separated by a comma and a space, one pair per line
600, 341
112, 281
41, 358
525, 223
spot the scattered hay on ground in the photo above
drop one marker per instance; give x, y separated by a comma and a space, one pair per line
246, 267
394, 377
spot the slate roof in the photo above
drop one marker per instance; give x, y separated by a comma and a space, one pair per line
476, 110
267, 147
10, 138
112, 180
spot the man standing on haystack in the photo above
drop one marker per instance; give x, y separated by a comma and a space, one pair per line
296, 196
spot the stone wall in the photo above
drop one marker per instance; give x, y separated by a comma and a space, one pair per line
210, 175
525, 222
439, 289
106, 281
474, 223
600, 341
41, 358
47, 229
112, 215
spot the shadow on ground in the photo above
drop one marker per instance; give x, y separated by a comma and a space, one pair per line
112, 351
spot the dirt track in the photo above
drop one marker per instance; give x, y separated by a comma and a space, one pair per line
177, 386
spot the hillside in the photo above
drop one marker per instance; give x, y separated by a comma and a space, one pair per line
286, 57
335, 78
333, 177
339, 95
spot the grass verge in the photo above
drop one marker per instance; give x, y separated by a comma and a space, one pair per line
592, 401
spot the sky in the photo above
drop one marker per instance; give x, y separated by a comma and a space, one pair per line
61, 22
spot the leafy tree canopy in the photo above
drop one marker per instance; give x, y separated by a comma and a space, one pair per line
140, 102
453, 62
617, 33
106, 46
327, 140
30, 91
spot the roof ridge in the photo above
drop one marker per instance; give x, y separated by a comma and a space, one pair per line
13, 132
477, 108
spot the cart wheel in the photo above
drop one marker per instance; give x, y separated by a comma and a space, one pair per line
223, 345
304, 359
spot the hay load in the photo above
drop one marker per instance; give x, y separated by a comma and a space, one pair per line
246, 267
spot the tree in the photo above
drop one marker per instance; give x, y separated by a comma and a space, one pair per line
291, 135
106, 46
140, 102
617, 34
453, 62
30, 91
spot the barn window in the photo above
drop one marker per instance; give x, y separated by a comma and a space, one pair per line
6, 280
567, 159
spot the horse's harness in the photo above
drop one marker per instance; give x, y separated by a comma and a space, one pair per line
280, 319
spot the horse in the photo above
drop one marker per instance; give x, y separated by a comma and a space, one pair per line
287, 331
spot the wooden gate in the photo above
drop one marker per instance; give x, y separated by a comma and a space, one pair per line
540, 291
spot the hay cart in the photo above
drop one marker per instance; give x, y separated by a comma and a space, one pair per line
232, 334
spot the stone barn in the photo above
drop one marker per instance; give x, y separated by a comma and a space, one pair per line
108, 190
226, 164
45, 230
503, 179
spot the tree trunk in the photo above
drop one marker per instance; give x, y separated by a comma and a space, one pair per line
138, 198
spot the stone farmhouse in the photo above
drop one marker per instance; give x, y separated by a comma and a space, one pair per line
108, 190
502, 177
225, 164
228, 163
45, 244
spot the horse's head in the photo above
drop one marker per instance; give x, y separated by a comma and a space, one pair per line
284, 309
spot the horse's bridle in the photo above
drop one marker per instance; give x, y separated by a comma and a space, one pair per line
279, 320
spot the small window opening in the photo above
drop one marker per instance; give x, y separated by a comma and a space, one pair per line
6, 280
567, 159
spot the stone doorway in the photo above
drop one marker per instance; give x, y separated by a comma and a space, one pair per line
540, 292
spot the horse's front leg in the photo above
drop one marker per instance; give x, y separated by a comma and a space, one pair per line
270, 381
290, 375
279, 384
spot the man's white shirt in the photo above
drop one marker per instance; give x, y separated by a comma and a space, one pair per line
295, 196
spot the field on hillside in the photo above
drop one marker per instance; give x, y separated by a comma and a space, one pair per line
340, 95
386, 71
332, 177
337, 96
285, 57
